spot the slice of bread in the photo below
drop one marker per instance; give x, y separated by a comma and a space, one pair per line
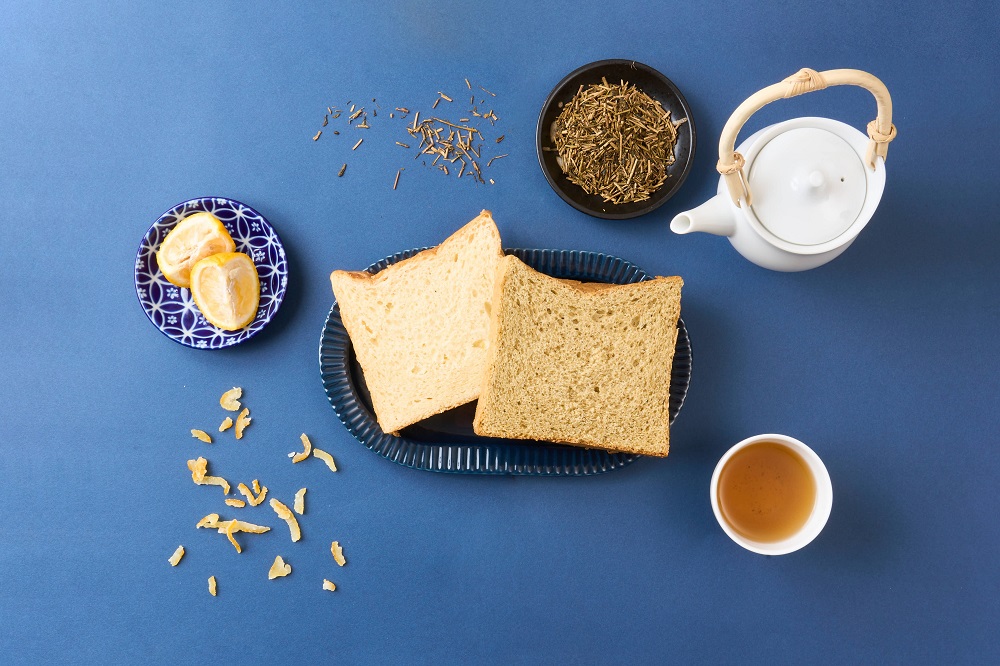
586, 364
420, 328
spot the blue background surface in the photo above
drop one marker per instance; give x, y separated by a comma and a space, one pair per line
884, 361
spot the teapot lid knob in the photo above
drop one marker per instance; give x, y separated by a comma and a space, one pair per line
809, 185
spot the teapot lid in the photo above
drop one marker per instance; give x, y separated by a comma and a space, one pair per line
809, 185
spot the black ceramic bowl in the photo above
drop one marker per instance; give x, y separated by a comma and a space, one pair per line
652, 83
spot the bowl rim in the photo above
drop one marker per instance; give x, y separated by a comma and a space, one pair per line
557, 187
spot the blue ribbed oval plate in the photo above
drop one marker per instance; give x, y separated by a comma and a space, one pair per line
446, 442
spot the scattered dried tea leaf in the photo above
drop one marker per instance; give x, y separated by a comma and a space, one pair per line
226, 424
306, 450
279, 569
211, 585
202, 435
175, 559
238, 503
286, 515
300, 501
230, 400
325, 457
338, 553
328, 585
242, 421
199, 474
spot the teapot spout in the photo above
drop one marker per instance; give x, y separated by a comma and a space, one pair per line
715, 216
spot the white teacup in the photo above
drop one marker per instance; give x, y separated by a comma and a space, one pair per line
821, 506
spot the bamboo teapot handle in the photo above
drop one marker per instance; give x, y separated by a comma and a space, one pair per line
880, 131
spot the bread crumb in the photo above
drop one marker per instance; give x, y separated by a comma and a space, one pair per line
338, 553
300, 501
279, 569
327, 585
202, 435
226, 424
230, 400
175, 559
306, 450
211, 585
327, 458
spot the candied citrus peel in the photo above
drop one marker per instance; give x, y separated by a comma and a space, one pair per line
211, 585
328, 585
279, 569
211, 520
325, 457
286, 515
254, 501
307, 448
338, 553
175, 559
199, 474
230, 400
300, 501
202, 435
242, 421
226, 424
238, 503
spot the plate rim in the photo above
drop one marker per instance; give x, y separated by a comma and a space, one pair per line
279, 297
360, 422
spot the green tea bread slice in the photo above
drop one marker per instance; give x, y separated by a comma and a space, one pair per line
420, 327
586, 364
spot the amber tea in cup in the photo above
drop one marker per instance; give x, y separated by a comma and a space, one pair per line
771, 494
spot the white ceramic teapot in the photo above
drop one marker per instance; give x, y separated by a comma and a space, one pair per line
796, 194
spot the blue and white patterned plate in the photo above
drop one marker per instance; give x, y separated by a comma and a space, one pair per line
172, 309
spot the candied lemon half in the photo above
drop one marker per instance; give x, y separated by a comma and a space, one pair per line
195, 237
226, 289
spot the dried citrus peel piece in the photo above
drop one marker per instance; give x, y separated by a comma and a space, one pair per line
279, 569
211, 520
242, 421
306, 450
338, 553
230, 530
328, 585
199, 474
286, 515
226, 424
175, 559
254, 501
327, 458
202, 435
300, 501
230, 400
256, 486
211, 585
238, 503
240, 526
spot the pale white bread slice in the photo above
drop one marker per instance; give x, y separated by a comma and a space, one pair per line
580, 363
420, 328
